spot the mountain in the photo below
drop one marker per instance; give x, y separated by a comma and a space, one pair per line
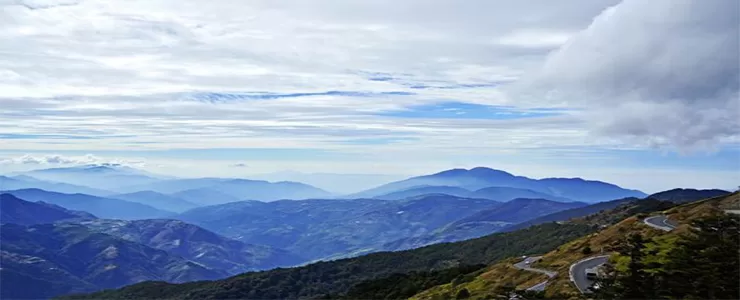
576, 189
242, 189
508, 193
105, 176
332, 228
20, 182
18, 211
425, 190
197, 244
321, 279
157, 200
515, 211
98, 206
497, 193
687, 195
568, 214
46, 260
204, 196
674, 195
485, 221
340, 183
424, 273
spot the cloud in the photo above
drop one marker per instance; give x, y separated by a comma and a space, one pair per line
55, 159
661, 72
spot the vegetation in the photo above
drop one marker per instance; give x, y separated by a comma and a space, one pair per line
403, 286
337, 278
701, 264
503, 281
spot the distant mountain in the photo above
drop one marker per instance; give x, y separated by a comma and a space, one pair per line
107, 177
485, 222
98, 206
20, 182
18, 211
508, 193
687, 195
47, 260
576, 189
205, 196
326, 228
158, 200
568, 214
497, 193
197, 244
425, 190
335, 182
242, 189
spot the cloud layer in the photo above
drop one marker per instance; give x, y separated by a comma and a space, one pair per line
663, 72
365, 85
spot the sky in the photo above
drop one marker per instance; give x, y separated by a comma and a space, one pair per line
643, 94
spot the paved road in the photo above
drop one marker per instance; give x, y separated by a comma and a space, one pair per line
660, 222
578, 271
525, 265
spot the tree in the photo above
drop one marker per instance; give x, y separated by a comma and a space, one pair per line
463, 294
702, 264
587, 250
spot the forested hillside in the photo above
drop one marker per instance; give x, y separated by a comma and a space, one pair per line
323, 279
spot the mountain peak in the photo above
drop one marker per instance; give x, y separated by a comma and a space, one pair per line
488, 171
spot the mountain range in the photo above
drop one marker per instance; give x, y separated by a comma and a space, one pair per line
62, 251
494, 193
99, 206
146, 227
483, 268
576, 189
17, 211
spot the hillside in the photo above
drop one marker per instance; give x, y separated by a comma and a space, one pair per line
568, 214
18, 211
196, 244
158, 201
323, 228
47, 260
338, 277
500, 278
484, 222
687, 195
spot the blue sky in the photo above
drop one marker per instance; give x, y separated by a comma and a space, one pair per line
243, 89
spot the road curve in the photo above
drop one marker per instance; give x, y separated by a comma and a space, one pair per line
660, 222
578, 271
524, 265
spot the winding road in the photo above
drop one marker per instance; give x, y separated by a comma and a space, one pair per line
578, 271
660, 222
525, 265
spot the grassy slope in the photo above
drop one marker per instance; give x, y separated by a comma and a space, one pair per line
560, 259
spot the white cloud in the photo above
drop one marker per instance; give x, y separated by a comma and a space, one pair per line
660, 72
55, 159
